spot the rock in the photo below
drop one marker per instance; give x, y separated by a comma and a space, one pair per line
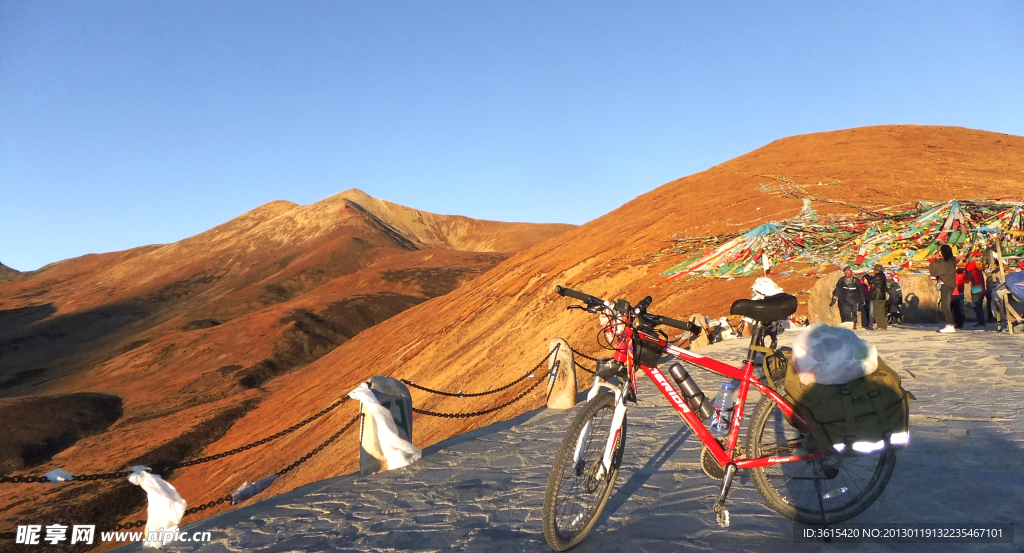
920, 299
561, 388
821, 296
701, 341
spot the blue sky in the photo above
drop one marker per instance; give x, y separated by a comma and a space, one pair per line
130, 123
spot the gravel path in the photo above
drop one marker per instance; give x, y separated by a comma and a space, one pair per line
483, 491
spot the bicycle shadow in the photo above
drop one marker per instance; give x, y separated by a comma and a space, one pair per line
641, 475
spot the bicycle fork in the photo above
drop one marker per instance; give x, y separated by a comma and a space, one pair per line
609, 448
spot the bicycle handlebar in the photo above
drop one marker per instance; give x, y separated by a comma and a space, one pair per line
681, 325
563, 291
644, 303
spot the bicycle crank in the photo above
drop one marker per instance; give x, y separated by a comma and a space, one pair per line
710, 465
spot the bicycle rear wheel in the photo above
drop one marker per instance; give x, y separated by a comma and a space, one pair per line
579, 486
827, 490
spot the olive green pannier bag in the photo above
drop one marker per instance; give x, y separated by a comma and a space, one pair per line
864, 415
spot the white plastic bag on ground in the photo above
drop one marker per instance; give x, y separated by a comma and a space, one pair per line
764, 287
397, 451
165, 509
832, 355
56, 476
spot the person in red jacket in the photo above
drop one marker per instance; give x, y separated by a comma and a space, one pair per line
976, 280
957, 304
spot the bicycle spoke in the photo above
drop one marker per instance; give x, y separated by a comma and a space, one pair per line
840, 486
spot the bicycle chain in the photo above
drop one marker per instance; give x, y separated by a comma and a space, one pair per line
494, 391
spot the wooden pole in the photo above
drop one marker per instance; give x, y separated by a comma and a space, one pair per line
1002, 278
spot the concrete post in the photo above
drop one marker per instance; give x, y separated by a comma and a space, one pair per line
561, 375
395, 397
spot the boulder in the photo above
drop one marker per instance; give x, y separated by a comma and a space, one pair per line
821, 296
920, 299
701, 341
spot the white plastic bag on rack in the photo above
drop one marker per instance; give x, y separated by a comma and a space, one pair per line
165, 509
397, 451
832, 355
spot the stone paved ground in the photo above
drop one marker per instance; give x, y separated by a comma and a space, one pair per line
483, 491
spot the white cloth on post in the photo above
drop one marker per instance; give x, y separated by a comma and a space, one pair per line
165, 509
396, 449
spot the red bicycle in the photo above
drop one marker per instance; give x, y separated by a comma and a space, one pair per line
798, 478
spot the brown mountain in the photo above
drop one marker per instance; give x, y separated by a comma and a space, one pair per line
490, 332
172, 343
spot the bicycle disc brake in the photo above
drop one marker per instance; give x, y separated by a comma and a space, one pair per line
828, 467
594, 476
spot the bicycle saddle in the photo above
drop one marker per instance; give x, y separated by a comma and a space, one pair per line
772, 308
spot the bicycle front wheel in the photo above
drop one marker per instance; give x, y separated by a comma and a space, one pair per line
580, 484
826, 490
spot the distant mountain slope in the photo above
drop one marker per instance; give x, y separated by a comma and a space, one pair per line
184, 337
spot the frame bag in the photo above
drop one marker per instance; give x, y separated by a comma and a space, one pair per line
864, 415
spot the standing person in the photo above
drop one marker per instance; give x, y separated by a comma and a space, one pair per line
896, 299
878, 293
944, 270
865, 306
976, 281
958, 300
850, 294
991, 263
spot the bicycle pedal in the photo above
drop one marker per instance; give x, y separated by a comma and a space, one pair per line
723, 518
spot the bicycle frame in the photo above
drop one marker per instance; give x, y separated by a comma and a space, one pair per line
625, 352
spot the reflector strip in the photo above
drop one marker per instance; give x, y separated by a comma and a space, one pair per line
899, 439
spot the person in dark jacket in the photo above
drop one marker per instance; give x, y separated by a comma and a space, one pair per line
957, 301
944, 270
849, 293
865, 306
877, 284
895, 301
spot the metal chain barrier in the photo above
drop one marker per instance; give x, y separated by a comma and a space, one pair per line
128, 525
205, 506
23, 480
583, 355
141, 523
319, 448
163, 468
584, 368
484, 412
284, 432
494, 391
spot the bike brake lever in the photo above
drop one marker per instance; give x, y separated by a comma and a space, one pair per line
571, 307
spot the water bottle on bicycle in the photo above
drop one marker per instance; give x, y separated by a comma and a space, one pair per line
722, 416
